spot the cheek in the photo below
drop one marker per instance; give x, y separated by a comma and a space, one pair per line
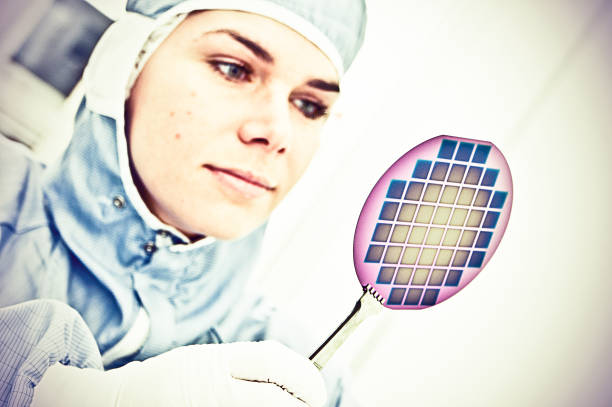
179, 122
162, 151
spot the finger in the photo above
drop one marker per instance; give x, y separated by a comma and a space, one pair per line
256, 394
270, 361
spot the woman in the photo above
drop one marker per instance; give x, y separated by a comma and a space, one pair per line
195, 124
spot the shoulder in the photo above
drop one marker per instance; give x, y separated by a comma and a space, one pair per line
21, 198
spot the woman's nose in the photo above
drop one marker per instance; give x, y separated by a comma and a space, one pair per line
267, 126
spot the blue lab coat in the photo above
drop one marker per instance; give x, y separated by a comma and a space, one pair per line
84, 264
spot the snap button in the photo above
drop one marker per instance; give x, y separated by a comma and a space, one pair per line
118, 202
150, 247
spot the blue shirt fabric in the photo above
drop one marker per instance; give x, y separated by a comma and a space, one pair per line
63, 239
78, 261
132, 264
35, 335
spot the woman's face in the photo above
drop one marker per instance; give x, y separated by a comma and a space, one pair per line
224, 119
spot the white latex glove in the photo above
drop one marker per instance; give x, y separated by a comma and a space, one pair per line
239, 374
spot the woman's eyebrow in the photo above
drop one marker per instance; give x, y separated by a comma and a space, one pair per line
264, 55
323, 85
255, 48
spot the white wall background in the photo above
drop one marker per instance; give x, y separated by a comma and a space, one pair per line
535, 328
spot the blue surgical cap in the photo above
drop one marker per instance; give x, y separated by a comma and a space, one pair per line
337, 27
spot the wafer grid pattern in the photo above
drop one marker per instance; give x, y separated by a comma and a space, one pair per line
436, 224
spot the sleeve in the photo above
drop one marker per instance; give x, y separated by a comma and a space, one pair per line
33, 336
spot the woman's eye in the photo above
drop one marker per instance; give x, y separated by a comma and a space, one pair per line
231, 71
311, 110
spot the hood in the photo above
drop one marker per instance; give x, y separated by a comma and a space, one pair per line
95, 207
98, 155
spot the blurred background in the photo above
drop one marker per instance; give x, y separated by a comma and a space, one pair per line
535, 78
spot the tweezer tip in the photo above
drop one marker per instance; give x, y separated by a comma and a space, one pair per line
374, 293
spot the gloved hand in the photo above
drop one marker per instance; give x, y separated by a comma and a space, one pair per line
239, 374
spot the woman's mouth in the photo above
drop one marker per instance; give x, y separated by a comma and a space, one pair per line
244, 182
